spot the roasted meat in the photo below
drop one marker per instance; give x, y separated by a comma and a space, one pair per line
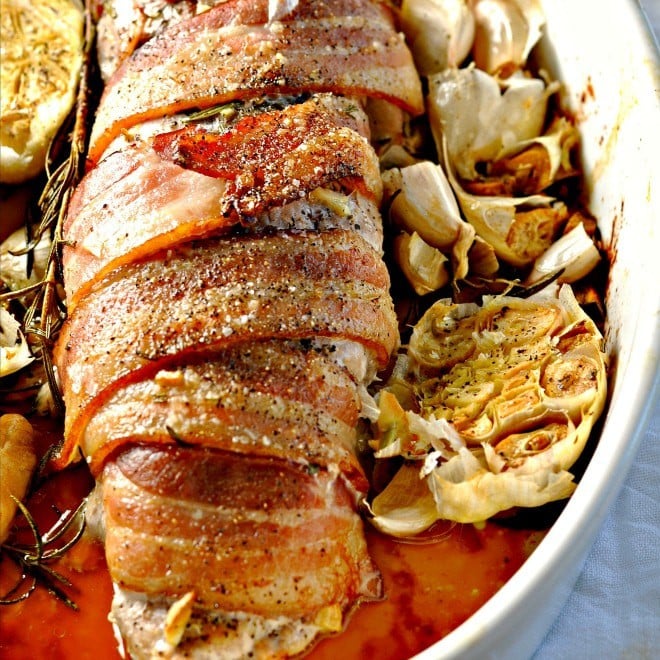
228, 306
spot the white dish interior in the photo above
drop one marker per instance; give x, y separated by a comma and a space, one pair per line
610, 70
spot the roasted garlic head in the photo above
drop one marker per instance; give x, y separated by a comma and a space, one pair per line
491, 408
42, 53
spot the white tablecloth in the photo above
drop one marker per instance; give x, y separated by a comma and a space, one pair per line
613, 613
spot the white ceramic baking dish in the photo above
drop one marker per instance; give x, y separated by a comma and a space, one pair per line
604, 55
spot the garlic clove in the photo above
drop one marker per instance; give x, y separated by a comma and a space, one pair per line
574, 254
17, 462
440, 32
505, 33
422, 201
14, 350
424, 266
479, 119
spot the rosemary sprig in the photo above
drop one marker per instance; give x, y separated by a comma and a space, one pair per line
43, 317
40, 551
234, 110
38, 574
33, 559
10, 598
47, 309
223, 111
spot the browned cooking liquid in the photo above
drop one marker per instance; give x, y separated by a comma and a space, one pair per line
430, 589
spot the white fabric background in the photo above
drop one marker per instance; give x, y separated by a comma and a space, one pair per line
613, 612
614, 609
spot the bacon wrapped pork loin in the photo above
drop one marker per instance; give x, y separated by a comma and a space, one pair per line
228, 305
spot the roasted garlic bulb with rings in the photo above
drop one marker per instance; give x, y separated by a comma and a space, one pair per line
493, 406
42, 54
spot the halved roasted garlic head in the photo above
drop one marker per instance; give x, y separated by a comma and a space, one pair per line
42, 54
496, 403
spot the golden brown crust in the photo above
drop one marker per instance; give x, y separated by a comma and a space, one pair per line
171, 510
216, 294
228, 304
276, 399
137, 200
204, 62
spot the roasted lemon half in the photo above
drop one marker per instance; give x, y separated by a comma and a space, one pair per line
41, 57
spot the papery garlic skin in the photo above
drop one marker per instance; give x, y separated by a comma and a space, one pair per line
422, 201
482, 258
517, 237
423, 265
465, 491
440, 33
557, 142
405, 508
505, 33
531, 166
14, 267
14, 350
478, 120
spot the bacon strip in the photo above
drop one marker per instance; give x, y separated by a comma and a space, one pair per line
203, 505
205, 61
197, 510
216, 294
276, 157
262, 161
124, 26
271, 399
